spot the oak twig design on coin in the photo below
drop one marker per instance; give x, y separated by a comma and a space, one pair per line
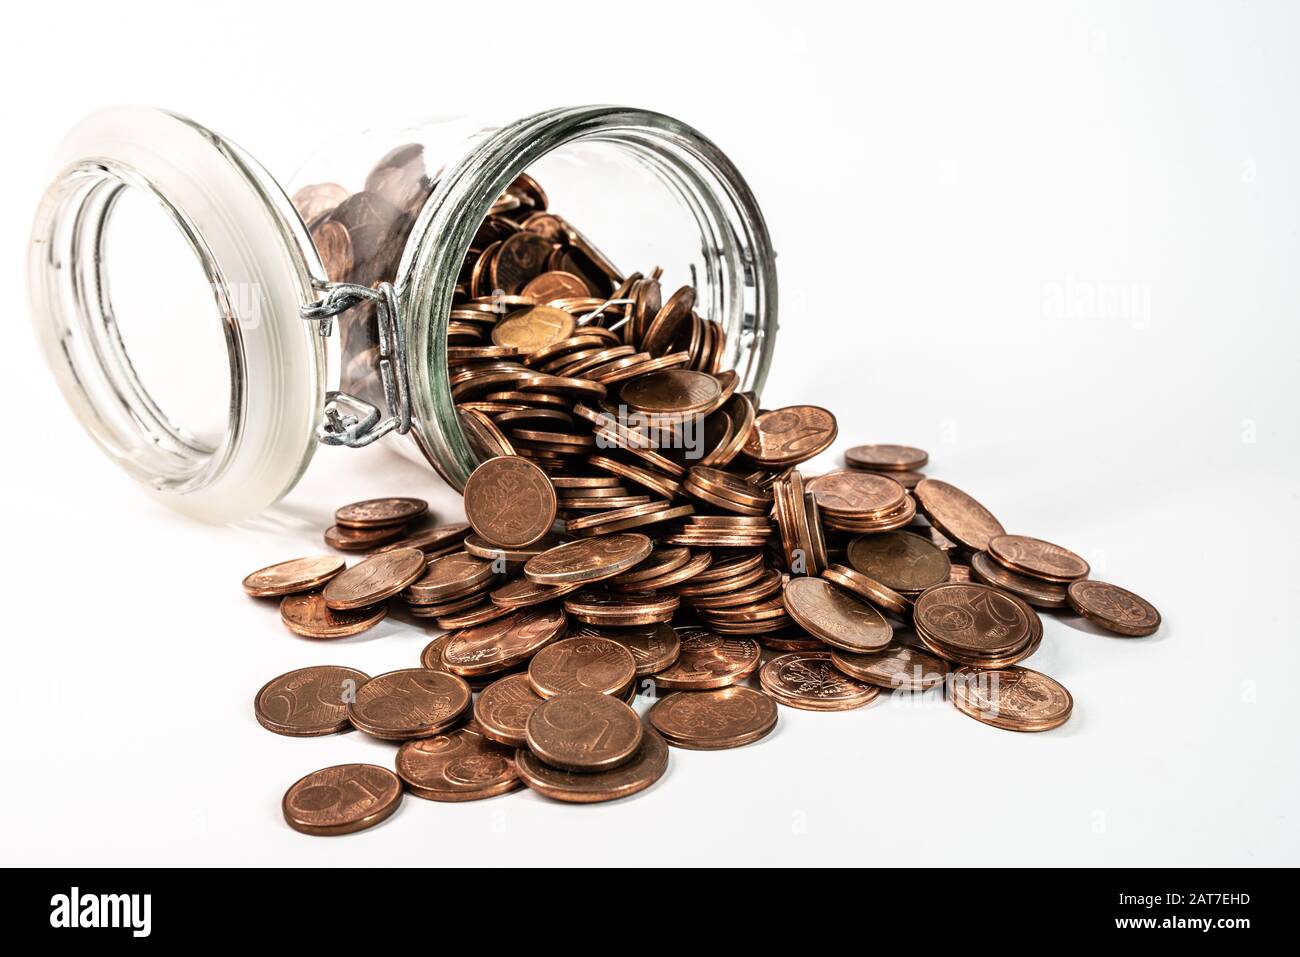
510, 501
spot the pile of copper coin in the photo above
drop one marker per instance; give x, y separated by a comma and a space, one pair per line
639, 528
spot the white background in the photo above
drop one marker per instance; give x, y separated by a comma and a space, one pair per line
1054, 244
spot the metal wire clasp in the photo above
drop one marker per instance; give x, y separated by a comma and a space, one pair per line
349, 420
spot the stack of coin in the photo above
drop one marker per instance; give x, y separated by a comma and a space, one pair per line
362, 526
976, 625
637, 523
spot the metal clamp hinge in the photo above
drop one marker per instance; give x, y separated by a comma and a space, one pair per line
349, 420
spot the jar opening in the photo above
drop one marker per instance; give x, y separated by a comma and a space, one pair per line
708, 231
163, 388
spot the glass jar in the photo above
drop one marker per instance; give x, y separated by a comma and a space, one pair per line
358, 281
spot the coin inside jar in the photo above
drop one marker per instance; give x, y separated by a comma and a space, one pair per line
308, 701
341, 799
461, 765
410, 703
584, 731
291, 577
714, 720
585, 663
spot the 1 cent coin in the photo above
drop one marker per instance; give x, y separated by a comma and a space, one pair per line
410, 703
533, 328
835, 616
509, 501
461, 765
341, 799
714, 720
809, 680
309, 616
1113, 608
291, 577
1015, 699
584, 731
589, 559
585, 663
645, 768
957, 515
309, 701
374, 579
503, 707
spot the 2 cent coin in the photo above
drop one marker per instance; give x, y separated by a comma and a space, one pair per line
374, 579
410, 703
309, 701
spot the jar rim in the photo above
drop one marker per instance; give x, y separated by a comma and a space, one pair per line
721, 200
262, 267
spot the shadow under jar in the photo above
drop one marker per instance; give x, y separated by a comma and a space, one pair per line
387, 260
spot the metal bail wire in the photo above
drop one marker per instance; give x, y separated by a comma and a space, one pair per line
349, 420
